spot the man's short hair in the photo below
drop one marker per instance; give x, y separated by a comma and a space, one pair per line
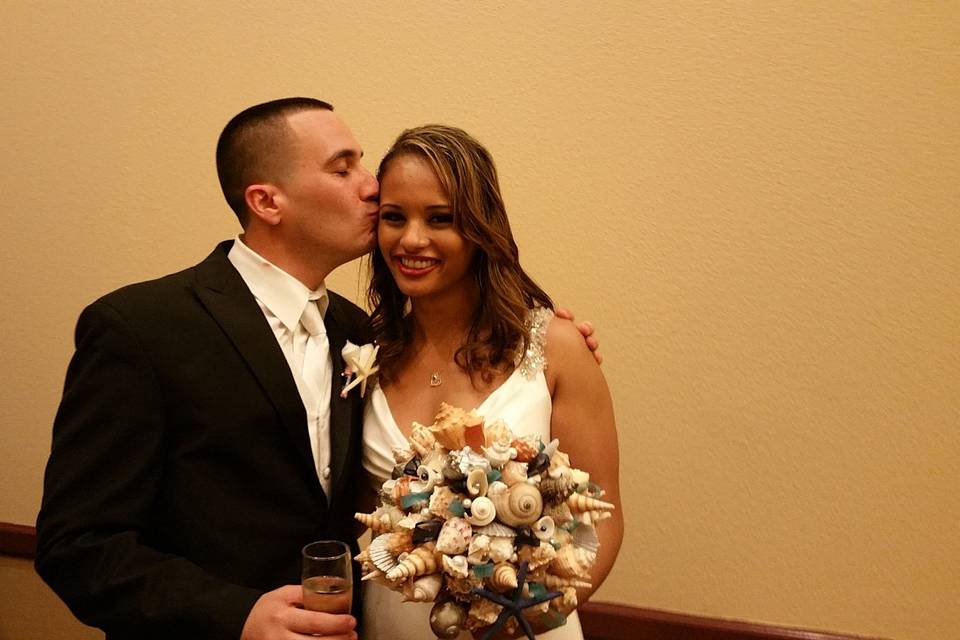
254, 147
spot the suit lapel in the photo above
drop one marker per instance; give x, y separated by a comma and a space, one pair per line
227, 298
341, 409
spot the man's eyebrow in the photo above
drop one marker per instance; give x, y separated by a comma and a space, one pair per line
344, 153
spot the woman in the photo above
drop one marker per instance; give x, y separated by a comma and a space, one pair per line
458, 321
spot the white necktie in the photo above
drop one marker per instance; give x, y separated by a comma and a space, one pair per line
316, 376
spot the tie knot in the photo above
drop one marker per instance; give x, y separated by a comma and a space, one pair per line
311, 319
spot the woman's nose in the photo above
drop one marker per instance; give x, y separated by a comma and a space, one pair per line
414, 237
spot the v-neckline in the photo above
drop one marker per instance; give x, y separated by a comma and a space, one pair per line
479, 407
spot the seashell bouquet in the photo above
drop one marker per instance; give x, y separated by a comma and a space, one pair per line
497, 530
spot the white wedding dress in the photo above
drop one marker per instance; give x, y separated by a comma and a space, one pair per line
523, 403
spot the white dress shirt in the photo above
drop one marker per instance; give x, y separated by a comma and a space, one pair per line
282, 298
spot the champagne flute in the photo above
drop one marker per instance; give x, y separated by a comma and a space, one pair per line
327, 577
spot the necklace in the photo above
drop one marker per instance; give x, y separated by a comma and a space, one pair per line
435, 379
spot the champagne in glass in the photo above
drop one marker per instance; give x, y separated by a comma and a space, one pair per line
327, 577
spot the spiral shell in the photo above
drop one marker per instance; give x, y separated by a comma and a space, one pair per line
499, 454
496, 433
572, 562
556, 582
504, 577
557, 490
544, 528
482, 512
520, 504
456, 566
424, 589
454, 536
514, 472
428, 477
580, 502
420, 561
477, 482
447, 619
422, 439
593, 517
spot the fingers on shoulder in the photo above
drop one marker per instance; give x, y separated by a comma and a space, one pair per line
565, 342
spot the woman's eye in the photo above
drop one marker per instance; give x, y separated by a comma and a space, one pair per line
442, 218
391, 216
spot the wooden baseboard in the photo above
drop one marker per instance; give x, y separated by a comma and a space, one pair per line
600, 620
17, 540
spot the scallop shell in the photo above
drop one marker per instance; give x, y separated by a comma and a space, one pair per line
482, 512
496, 530
586, 537
456, 566
504, 577
557, 490
573, 562
477, 482
537, 557
556, 582
479, 549
440, 501
520, 504
420, 561
527, 448
380, 555
580, 502
454, 536
514, 472
423, 589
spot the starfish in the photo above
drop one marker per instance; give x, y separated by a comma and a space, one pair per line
514, 605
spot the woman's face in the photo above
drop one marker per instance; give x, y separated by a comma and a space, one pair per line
418, 240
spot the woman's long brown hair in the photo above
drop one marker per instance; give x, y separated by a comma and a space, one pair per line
498, 332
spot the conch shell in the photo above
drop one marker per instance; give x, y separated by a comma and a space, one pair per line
572, 562
424, 589
557, 490
482, 512
520, 504
420, 561
450, 425
454, 536
504, 577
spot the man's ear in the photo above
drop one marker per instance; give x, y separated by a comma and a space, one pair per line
263, 201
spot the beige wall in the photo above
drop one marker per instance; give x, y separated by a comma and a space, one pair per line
756, 202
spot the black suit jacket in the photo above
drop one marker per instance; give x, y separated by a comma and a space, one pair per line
181, 484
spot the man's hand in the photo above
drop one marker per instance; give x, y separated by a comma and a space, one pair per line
586, 330
278, 615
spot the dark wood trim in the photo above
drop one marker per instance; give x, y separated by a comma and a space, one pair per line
600, 620
17, 540
612, 621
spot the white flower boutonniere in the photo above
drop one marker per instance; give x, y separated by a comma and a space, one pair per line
362, 363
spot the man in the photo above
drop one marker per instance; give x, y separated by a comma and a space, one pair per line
182, 481
194, 452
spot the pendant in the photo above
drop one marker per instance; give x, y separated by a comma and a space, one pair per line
435, 379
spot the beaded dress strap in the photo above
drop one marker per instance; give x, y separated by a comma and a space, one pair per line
534, 359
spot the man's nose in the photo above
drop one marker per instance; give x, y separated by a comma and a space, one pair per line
371, 188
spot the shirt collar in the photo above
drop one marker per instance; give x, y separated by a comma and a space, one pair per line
281, 293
